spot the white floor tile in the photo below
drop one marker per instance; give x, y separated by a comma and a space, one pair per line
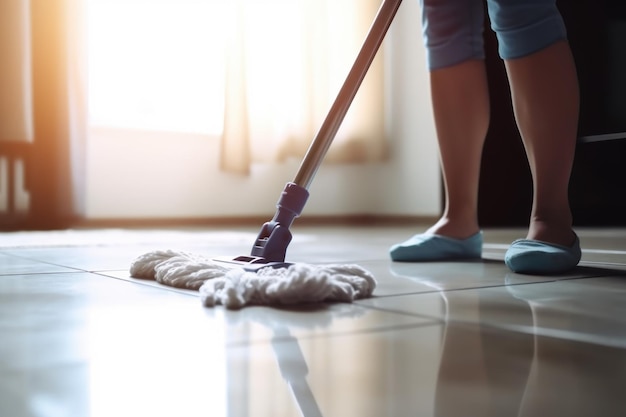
80, 337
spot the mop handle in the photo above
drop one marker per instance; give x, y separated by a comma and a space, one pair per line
322, 141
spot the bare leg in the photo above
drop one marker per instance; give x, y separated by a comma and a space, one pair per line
545, 95
460, 101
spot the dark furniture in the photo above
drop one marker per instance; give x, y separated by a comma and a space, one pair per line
597, 34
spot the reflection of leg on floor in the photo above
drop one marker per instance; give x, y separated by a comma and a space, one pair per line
483, 372
568, 377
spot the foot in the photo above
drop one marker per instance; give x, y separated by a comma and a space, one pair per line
529, 256
433, 247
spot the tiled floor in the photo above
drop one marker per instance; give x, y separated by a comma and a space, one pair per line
79, 338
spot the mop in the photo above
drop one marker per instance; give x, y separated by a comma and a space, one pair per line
263, 277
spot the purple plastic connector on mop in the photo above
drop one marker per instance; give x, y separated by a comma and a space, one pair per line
274, 238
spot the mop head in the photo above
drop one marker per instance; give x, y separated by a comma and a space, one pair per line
235, 287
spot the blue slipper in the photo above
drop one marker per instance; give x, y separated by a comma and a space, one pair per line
428, 247
536, 257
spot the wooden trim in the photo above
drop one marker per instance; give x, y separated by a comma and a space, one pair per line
342, 220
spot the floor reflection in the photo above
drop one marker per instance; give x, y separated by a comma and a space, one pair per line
79, 337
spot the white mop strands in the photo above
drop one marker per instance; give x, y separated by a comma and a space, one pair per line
235, 288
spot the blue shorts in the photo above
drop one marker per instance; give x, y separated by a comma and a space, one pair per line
453, 29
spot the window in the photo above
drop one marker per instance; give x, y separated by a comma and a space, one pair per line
156, 64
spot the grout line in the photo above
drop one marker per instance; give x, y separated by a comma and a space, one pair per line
12, 274
39, 261
405, 313
548, 280
149, 283
372, 330
605, 251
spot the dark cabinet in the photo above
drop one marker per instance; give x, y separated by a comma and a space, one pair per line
597, 34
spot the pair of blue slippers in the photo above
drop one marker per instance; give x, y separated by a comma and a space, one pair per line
523, 256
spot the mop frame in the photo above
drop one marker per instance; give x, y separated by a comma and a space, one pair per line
270, 247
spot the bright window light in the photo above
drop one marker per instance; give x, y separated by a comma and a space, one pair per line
156, 64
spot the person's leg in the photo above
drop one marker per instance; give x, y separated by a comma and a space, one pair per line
460, 100
545, 99
544, 90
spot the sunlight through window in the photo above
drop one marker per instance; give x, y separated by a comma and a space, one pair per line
156, 64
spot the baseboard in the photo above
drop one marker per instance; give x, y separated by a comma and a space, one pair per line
251, 221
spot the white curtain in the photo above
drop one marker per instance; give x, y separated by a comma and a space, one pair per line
42, 107
286, 61
15, 72
16, 127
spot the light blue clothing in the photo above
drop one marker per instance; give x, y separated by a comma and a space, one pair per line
453, 29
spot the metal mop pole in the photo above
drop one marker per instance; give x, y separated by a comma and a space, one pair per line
318, 148
274, 237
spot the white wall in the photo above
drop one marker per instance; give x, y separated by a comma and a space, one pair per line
410, 184
173, 175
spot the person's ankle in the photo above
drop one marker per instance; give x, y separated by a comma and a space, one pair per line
453, 228
552, 231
